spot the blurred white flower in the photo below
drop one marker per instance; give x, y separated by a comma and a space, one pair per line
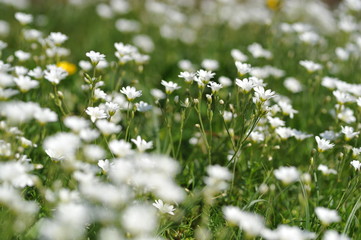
333, 235
57, 38
25, 83
325, 170
62, 146
356, 164
287, 174
243, 68
139, 219
107, 128
45, 115
310, 66
24, 18
120, 148
210, 64
293, 85
327, 216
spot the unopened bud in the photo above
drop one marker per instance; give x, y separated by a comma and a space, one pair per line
176, 99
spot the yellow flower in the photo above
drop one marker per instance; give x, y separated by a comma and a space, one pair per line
274, 4
67, 66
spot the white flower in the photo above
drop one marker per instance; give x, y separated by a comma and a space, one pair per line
107, 128
20, 70
25, 83
329, 135
22, 56
300, 135
104, 165
245, 84
238, 55
343, 97
93, 152
139, 220
356, 164
44, 115
17, 111
61, 146
24, 18
3, 44
36, 73
170, 86
217, 179
260, 94
57, 38
258, 51
112, 108
333, 235
356, 152
204, 76
284, 232
323, 144
7, 93
346, 115
327, 216
214, 86
157, 94
96, 113
88, 134
85, 65
232, 214
187, 76
131, 93
164, 207
210, 64
185, 65
100, 94
349, 132
287, 174
143, 106
310, 66
227, 116
16, 173
55, 74
32, 34
75, 123
251, 223
256, 136
275, 122
141, 144
225, 81
287, 109
293, 85
125, 49
243, 68
325, 170
95, 57
120, 148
